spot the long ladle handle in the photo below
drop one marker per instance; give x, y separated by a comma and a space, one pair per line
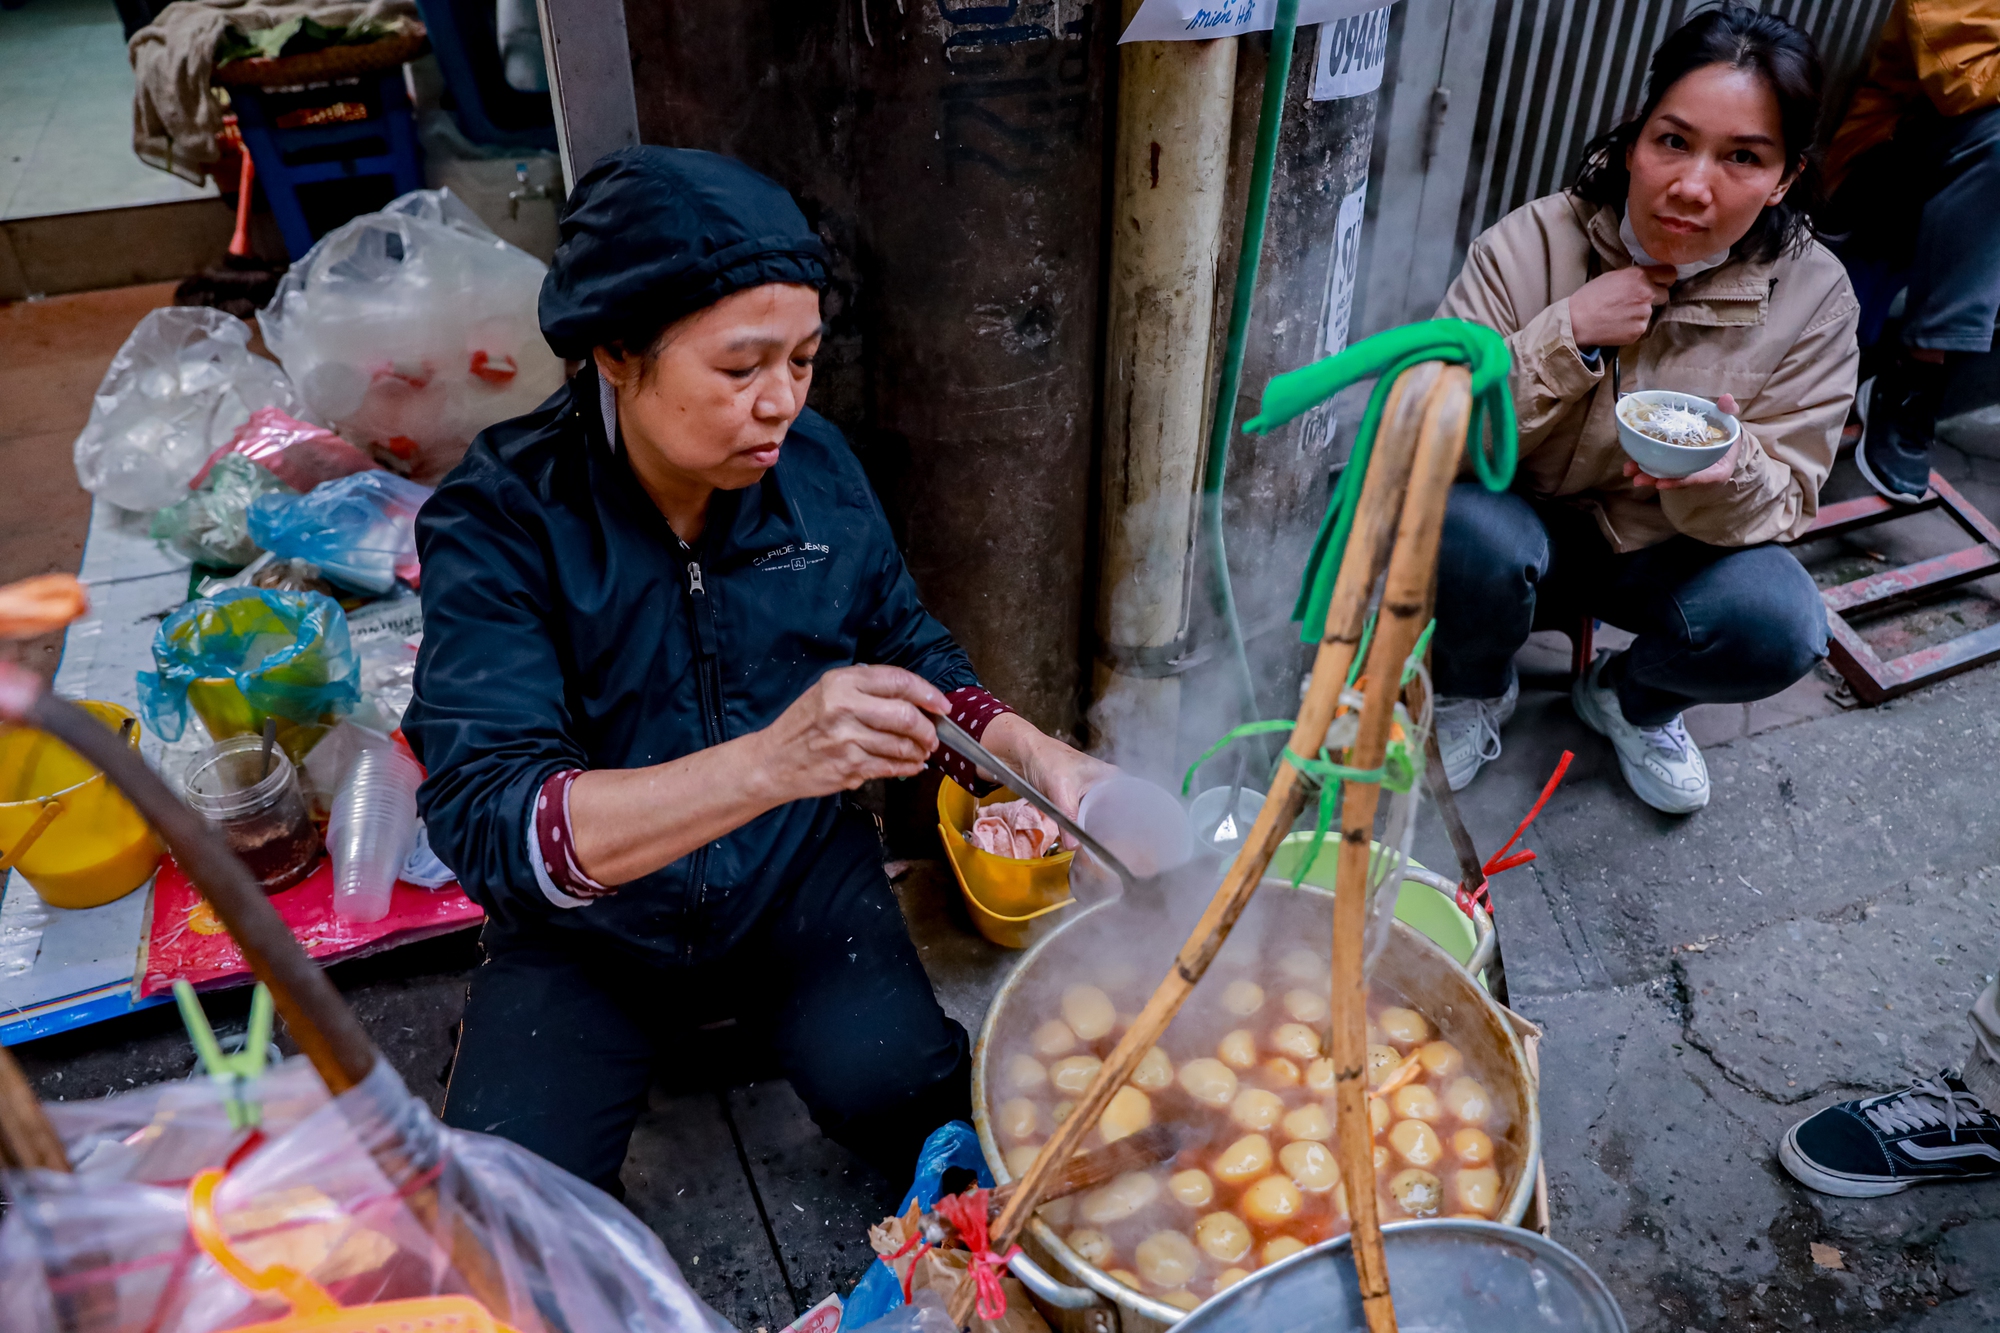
955, 738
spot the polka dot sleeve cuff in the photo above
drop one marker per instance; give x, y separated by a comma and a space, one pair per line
974, 710
551, 850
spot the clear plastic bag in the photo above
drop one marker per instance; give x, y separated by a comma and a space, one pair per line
246, 654
179, 387
361, 530
211, 525
413, 329
298, 453
370, 1198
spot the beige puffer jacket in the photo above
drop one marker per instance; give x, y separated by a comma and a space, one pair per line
1777, 335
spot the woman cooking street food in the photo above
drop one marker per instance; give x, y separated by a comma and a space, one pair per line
1681, 260
666, 627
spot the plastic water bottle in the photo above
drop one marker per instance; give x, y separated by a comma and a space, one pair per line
371, 831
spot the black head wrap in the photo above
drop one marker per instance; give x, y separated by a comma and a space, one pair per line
652, 234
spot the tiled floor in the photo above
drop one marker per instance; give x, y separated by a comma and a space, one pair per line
52, 355
66, 114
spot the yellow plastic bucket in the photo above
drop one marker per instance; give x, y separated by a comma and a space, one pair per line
1002, 884
72, 835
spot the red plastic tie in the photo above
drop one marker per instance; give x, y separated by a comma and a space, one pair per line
915, 1242
1500, 860
967, 1214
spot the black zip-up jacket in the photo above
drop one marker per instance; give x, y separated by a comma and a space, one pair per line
566, 626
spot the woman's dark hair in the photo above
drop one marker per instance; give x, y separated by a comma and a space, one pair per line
1788, 62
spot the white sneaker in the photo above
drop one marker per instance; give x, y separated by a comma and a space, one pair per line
1468, 732
1661, 764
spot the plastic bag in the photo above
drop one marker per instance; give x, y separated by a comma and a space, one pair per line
211, 526
298, 453
926, 1314
413, 329
361, 530
953, 1144
369, 1197
179, 387
249, 653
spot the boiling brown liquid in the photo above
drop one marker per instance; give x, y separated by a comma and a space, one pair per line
1243, 1066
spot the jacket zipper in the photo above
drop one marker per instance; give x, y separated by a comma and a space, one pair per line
708, 683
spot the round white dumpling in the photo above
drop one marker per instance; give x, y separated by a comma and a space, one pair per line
1311, 1166
1191, 1188
1089, 1012
1256, 1109
1166, 1259
1093, 1247
1155, 1072
1296, 1040
1019, 1120
1053, 1040
1072, 1073
1467, 1099
1405, 1027
1026, 1074
1208, 1081
1121, 1199
1238, 1049
1129, 1111
1223, 1237
1242, 998
1305, 1006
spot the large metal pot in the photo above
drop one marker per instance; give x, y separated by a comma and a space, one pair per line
1410, 965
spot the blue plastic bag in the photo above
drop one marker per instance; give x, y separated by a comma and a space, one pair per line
248, 653
361, 530
953, 1144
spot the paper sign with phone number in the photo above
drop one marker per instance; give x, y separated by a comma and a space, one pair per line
1204, 20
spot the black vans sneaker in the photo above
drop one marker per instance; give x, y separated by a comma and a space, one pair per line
1932, 1130
1894, 454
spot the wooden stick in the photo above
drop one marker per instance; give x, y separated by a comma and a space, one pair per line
27, 1139
1405, 602
1367, 549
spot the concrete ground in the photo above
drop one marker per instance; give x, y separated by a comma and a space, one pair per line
1816, 933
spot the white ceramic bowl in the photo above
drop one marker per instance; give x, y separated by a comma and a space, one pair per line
1657, 458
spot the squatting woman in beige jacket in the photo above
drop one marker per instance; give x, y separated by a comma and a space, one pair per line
1684, 260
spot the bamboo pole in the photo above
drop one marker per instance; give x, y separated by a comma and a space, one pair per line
1406, 597
1367, 550
27, 1139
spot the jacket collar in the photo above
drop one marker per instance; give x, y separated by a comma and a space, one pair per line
1735, 295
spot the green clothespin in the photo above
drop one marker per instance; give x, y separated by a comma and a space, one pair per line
235, 1073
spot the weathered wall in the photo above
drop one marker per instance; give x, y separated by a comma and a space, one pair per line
952, 155
1277, 484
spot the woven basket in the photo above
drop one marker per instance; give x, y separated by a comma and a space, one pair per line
334, 63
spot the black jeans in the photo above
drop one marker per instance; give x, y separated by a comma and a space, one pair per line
561, 1039
1715, 624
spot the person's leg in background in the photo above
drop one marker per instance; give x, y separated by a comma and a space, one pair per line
1492, 559
551, 1059
1714, 625
1953, 296
856, 1025
1935, 1130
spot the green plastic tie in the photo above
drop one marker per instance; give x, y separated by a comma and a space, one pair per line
1491, 434
235, 1074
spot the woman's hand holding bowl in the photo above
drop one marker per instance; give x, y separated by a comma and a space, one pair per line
1060, 772
1719, 470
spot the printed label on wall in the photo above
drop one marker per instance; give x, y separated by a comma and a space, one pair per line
1343, 267
1352, 52
1202, 20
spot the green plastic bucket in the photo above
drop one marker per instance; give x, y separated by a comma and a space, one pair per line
1424, 909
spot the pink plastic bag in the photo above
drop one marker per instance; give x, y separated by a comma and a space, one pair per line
300, 455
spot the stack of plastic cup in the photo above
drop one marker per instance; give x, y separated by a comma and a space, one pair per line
371, 832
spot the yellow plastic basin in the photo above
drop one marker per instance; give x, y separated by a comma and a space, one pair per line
1004, 885
92, 847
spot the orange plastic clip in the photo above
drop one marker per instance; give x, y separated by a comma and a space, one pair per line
313, 1309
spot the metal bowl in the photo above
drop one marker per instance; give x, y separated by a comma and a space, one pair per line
1657, 458
1410, 965
1445, 1277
